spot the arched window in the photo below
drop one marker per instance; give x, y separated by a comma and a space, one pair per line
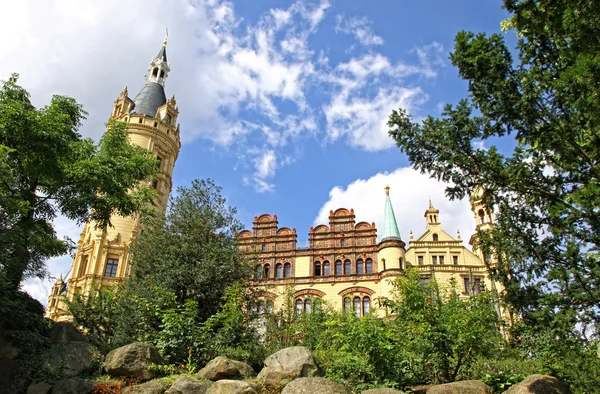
279, 271
267, 269
338, 267
298, 306
307, 306
347, 264
261, 307
287, 270
366, 305
326, 268
253, 309
357, 306
401, 263
359, 267
347, 305
259, 272
369, 266
162, 73
317, 268
481, 216
435, 237
269, 306
155, 72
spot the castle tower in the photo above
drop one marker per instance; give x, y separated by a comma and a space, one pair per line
102, 255
391, 250
485, 220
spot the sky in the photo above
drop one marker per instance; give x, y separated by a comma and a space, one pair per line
282, 103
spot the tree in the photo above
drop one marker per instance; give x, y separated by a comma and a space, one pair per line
191, 251
538, 116
47, 169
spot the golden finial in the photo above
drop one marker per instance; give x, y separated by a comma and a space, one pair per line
430, 204
166, 37
387, 190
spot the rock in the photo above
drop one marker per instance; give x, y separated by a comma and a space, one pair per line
314, 386
73, 386
71, 359
225, 368
421, 389
539, 384
233, 387
9, 367
287, 364
63, 332
384, 390
462, 387
39, 388
186, 385
132, 360
151, 387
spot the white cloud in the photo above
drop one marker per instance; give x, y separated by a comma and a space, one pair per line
360, 28
266, 164
410, 193
431, 58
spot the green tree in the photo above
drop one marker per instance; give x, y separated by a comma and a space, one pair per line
191, 251
47, 169
538, 116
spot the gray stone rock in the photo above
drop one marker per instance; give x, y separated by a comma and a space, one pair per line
539, 384
63, 332
39, 388
132, 360
225, 368
186, 385
462, 387
233, 387
288, 364
73, 386
314, 386
9, 368
71, 359
151, 387
383, 390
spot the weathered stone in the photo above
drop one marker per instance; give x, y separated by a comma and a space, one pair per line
39, 388
314, 386
151, 387
421, 389
63, 332
233, 387
225, 368
539, 384
71, 359
9, 367
186, 385
73, 386
462, 387
287, 364
132, 360
383, 390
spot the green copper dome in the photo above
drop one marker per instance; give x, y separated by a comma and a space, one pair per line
390, 227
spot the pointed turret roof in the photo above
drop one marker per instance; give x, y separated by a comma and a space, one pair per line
152, 96
390, 227
162, 54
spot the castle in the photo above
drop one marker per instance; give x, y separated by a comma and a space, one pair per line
347, 264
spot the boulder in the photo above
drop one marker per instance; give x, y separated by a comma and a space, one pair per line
63, 332
462, 387
287, 364
233, 387
132, 360
225, 368
421, 389
383, 390
73, 386
314, 386
186, 385
71, 359
539, 384
151, 387
9, 367
39, 388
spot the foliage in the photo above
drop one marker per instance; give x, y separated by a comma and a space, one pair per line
444, 332
544, 104
191, 251
48, 169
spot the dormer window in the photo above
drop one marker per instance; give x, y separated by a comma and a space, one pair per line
435, 237
168, 118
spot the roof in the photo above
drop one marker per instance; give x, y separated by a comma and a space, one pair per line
149, 99
162, 54
390, 227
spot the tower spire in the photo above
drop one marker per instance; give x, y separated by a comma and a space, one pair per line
390, 227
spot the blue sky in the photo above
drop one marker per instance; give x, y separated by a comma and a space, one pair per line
282, 103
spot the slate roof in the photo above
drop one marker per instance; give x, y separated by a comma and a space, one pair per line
162, 54
390, 227
149, 99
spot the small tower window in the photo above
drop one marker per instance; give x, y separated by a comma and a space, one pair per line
155, 72
155, 124
168, 118
140, 120
264, 247
369, 266
341, 243
317, 268
435, 237
455, 260
162, 73
326, 268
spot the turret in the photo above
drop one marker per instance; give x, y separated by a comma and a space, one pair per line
391, 247
485, 220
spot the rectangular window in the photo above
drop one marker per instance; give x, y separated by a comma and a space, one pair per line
441, 259
455, 260
111, 267
424, 282
155, 183
466, 282
159, 164
342, 243
477, 288
83, 265
434, 259
420, 260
